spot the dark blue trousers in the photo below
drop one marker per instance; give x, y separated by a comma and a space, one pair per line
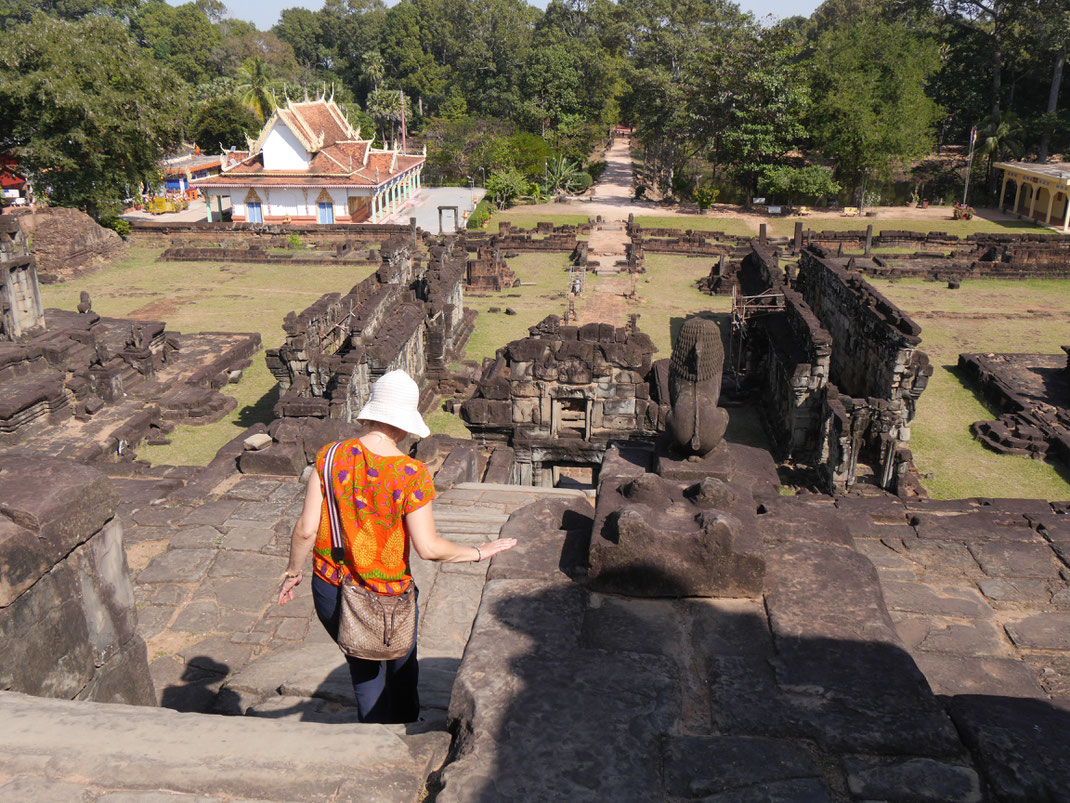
386, 690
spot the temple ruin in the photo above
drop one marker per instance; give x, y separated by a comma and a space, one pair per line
836, 365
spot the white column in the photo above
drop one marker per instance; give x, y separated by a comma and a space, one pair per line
1066, 213
1003, 190
1051, 202
1017, 194
208, 203
1033, 200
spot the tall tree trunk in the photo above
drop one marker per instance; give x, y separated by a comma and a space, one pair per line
1053, 100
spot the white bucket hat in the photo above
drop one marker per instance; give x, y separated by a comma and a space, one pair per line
395, 400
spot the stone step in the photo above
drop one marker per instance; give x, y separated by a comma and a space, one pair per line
535, 490
148, 751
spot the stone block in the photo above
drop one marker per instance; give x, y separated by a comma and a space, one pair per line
278, 459
836, 642
80, 500
939, 634
1015, 559
178, 566
1042, 631
524, 675
939, 601
57, 666
202, 537
1019, 745
700, 766
958, 674
553, 538
649, 540
911, 780
255, 443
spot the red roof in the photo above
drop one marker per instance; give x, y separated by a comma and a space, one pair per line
10, 179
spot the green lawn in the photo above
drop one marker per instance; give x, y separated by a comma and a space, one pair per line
544, 280
982, 316
728, 225
204, 297
669, 296
939, 221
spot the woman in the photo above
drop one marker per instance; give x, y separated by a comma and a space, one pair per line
384, 500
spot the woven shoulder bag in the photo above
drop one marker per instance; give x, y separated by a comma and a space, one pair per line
372, 626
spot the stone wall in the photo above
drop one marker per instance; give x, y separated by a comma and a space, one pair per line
67, 616
165, 234
835, 365
559, 396
876, 351
408, 315
257, 255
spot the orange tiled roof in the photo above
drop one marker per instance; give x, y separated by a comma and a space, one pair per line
338, 158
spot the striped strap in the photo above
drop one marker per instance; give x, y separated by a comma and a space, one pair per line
338, 550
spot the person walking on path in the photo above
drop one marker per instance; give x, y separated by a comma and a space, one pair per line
384, 503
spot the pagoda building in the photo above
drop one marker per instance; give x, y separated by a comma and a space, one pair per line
309, 165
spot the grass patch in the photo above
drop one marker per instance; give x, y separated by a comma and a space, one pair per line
729, 225
984, 315
669, 297
544, 279
441, 422
785, 227
203, 297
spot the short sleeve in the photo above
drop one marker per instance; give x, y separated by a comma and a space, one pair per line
321, 458
421, 489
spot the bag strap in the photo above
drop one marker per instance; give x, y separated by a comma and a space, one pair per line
338, 550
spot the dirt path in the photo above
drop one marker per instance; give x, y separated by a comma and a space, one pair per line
606, 300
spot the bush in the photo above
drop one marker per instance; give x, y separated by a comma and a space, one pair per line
706, 196
293, 241
596, 169
117, 224
480, 215
581, 183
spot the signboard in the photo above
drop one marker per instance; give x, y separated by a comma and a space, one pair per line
774, 210
11, 194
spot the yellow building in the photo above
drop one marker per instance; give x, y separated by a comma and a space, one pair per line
1040, 191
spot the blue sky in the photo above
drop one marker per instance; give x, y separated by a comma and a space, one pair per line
265, 13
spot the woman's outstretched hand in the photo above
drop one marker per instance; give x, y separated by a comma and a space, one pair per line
494, 547
286, 593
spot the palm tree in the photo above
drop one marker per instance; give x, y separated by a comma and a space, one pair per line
999, 140
254, 88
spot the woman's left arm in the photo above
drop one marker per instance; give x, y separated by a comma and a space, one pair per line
303, 537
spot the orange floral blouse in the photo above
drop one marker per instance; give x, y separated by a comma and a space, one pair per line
374, 493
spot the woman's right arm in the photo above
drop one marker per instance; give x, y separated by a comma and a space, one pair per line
429, 545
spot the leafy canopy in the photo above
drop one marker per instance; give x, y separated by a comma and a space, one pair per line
86, 112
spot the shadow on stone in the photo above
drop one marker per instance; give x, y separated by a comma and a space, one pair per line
616, 681
200, 688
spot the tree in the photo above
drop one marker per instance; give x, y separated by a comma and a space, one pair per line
870, 110
1000, 140
254, 86
87, 113
222, 122
768, 102
505, 186
179, 36
789, 183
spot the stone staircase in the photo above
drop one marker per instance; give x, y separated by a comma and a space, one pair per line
298, 738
